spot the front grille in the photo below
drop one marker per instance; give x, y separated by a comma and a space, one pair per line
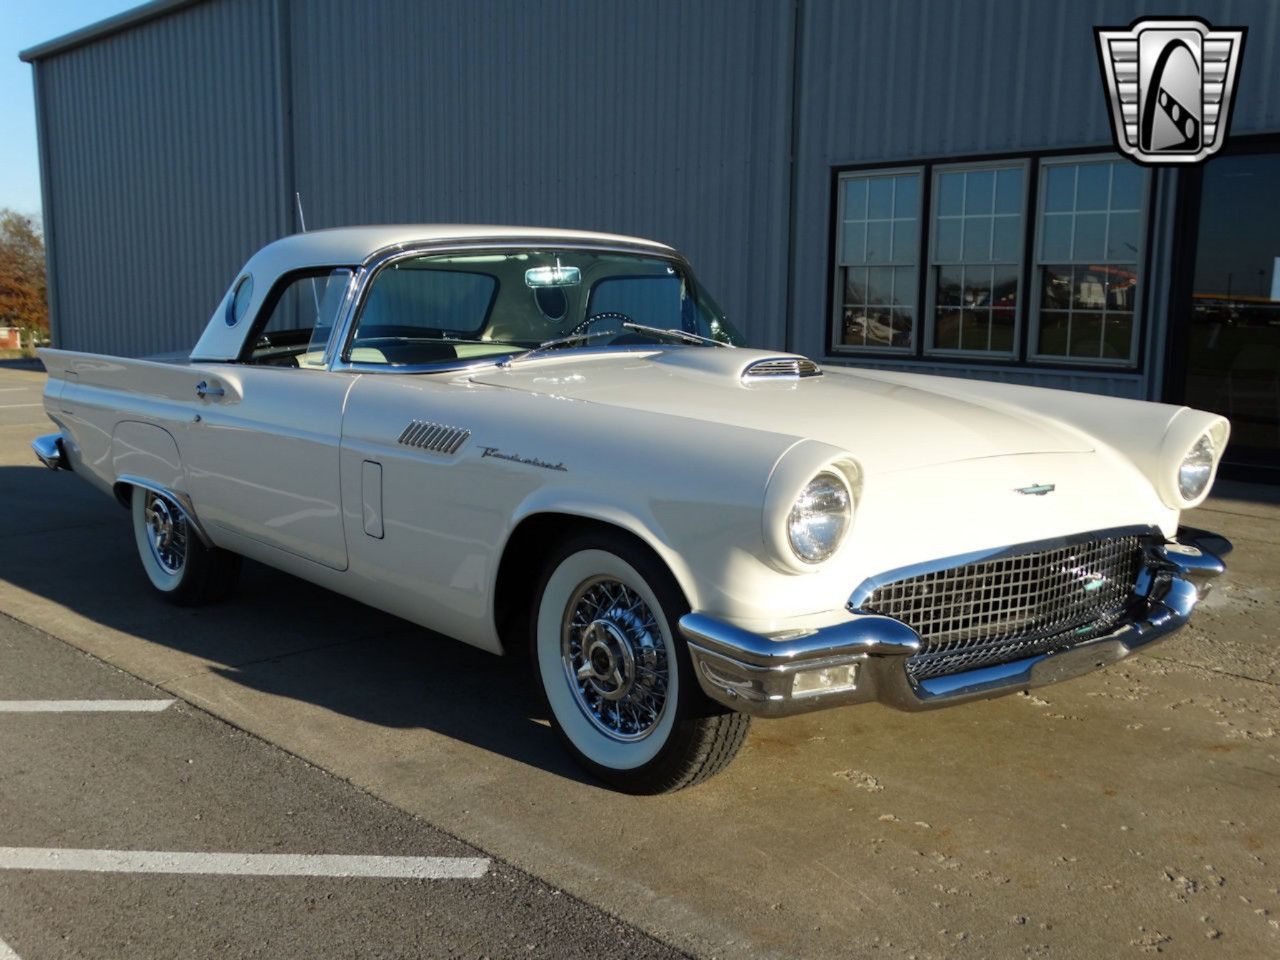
995, 611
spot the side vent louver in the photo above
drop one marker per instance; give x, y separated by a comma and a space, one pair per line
793, 368
433, 436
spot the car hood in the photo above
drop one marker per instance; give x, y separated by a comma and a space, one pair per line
894, 422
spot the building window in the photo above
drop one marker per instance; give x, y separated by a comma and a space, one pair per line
975, 275
877, 274
1087, 266
1026, 261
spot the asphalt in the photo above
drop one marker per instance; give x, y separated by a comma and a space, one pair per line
1125, 813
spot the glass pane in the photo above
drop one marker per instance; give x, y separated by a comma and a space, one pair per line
947, 241
950, 202
1002, 330
904, 285
1090, 291
977, 238
853, 247
1122, 284
1122, 237
979, 191
1056, 289
880, 285
906, 201
1059, 189
855, 199
946, 328
1126, 186
1090, 241
880, 198
975, 330
855, 285
903, 321
1055, 238
977, 287
904, 241
1007, 239
1117, 337
1055, 327
947, 292
1008, 191
1004, 288
1086, 335
879, 238
1093, 187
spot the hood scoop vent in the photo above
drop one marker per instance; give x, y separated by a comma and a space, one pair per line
782, 368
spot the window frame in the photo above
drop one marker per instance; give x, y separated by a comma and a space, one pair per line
928, 349
1036, 264
834, 344
1024, 355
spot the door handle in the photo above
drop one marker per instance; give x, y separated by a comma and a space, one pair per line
204, 390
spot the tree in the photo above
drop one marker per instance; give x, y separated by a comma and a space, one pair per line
23, 291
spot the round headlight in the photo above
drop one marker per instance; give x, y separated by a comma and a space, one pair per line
1196, 468
820, 518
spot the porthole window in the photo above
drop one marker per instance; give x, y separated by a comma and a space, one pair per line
239, 304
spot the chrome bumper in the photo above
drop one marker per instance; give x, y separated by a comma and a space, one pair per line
864, 658
49, 451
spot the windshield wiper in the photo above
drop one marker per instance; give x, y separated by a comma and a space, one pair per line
684, 335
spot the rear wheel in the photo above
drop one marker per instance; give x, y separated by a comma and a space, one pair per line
617, 678
181, 568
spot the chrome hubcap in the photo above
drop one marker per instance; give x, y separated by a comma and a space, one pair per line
166, 533
615, 659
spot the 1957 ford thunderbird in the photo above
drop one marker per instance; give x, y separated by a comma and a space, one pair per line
555, 441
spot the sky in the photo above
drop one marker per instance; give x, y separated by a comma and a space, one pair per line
25, 24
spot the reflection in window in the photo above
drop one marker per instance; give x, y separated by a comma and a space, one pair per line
877, 262
1090, 216
976, 264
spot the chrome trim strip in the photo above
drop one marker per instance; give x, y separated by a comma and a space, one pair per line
782, 368
48, 449
181, 499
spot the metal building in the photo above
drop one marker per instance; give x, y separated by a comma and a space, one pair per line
921, 184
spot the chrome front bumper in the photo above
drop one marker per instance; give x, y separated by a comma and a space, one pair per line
864, 658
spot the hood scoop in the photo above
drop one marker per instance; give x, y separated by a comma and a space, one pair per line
781, 368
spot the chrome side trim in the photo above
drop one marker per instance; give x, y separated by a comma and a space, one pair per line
48, 449
125, 481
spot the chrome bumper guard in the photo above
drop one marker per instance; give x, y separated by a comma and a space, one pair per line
49, 451
864, 658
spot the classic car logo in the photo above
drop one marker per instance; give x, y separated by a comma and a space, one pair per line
1170, 85
1036, 490
516, 458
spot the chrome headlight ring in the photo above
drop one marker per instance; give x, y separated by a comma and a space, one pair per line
820, 517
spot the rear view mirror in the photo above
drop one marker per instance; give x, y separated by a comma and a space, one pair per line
556, 276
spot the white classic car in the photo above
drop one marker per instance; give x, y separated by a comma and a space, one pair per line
554, 441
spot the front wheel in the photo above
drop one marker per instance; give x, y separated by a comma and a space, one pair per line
177, 563
617, 680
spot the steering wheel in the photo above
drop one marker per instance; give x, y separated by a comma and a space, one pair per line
586, 324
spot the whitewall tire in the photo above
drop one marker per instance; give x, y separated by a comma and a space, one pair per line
180, 567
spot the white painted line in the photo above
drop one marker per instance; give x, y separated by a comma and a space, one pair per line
243, 864
7, 952
84, 706
15, 406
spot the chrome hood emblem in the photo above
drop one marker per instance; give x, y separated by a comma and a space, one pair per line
1036, 490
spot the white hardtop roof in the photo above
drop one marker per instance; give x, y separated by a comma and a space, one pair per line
354, 245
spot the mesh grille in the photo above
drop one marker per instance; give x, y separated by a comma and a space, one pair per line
996, 611
433, 436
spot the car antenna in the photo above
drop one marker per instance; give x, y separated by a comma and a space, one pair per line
302, 219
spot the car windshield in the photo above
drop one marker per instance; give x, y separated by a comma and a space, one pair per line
424, 309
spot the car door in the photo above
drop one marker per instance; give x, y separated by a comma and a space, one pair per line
261, 447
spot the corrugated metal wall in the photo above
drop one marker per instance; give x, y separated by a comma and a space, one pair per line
161, 173
173, 148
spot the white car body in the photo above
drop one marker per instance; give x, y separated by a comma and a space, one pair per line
434, 490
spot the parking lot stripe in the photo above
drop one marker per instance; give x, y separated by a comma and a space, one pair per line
84, 706
243, 864
7, 952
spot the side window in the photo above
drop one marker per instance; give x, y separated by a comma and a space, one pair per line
297, 321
